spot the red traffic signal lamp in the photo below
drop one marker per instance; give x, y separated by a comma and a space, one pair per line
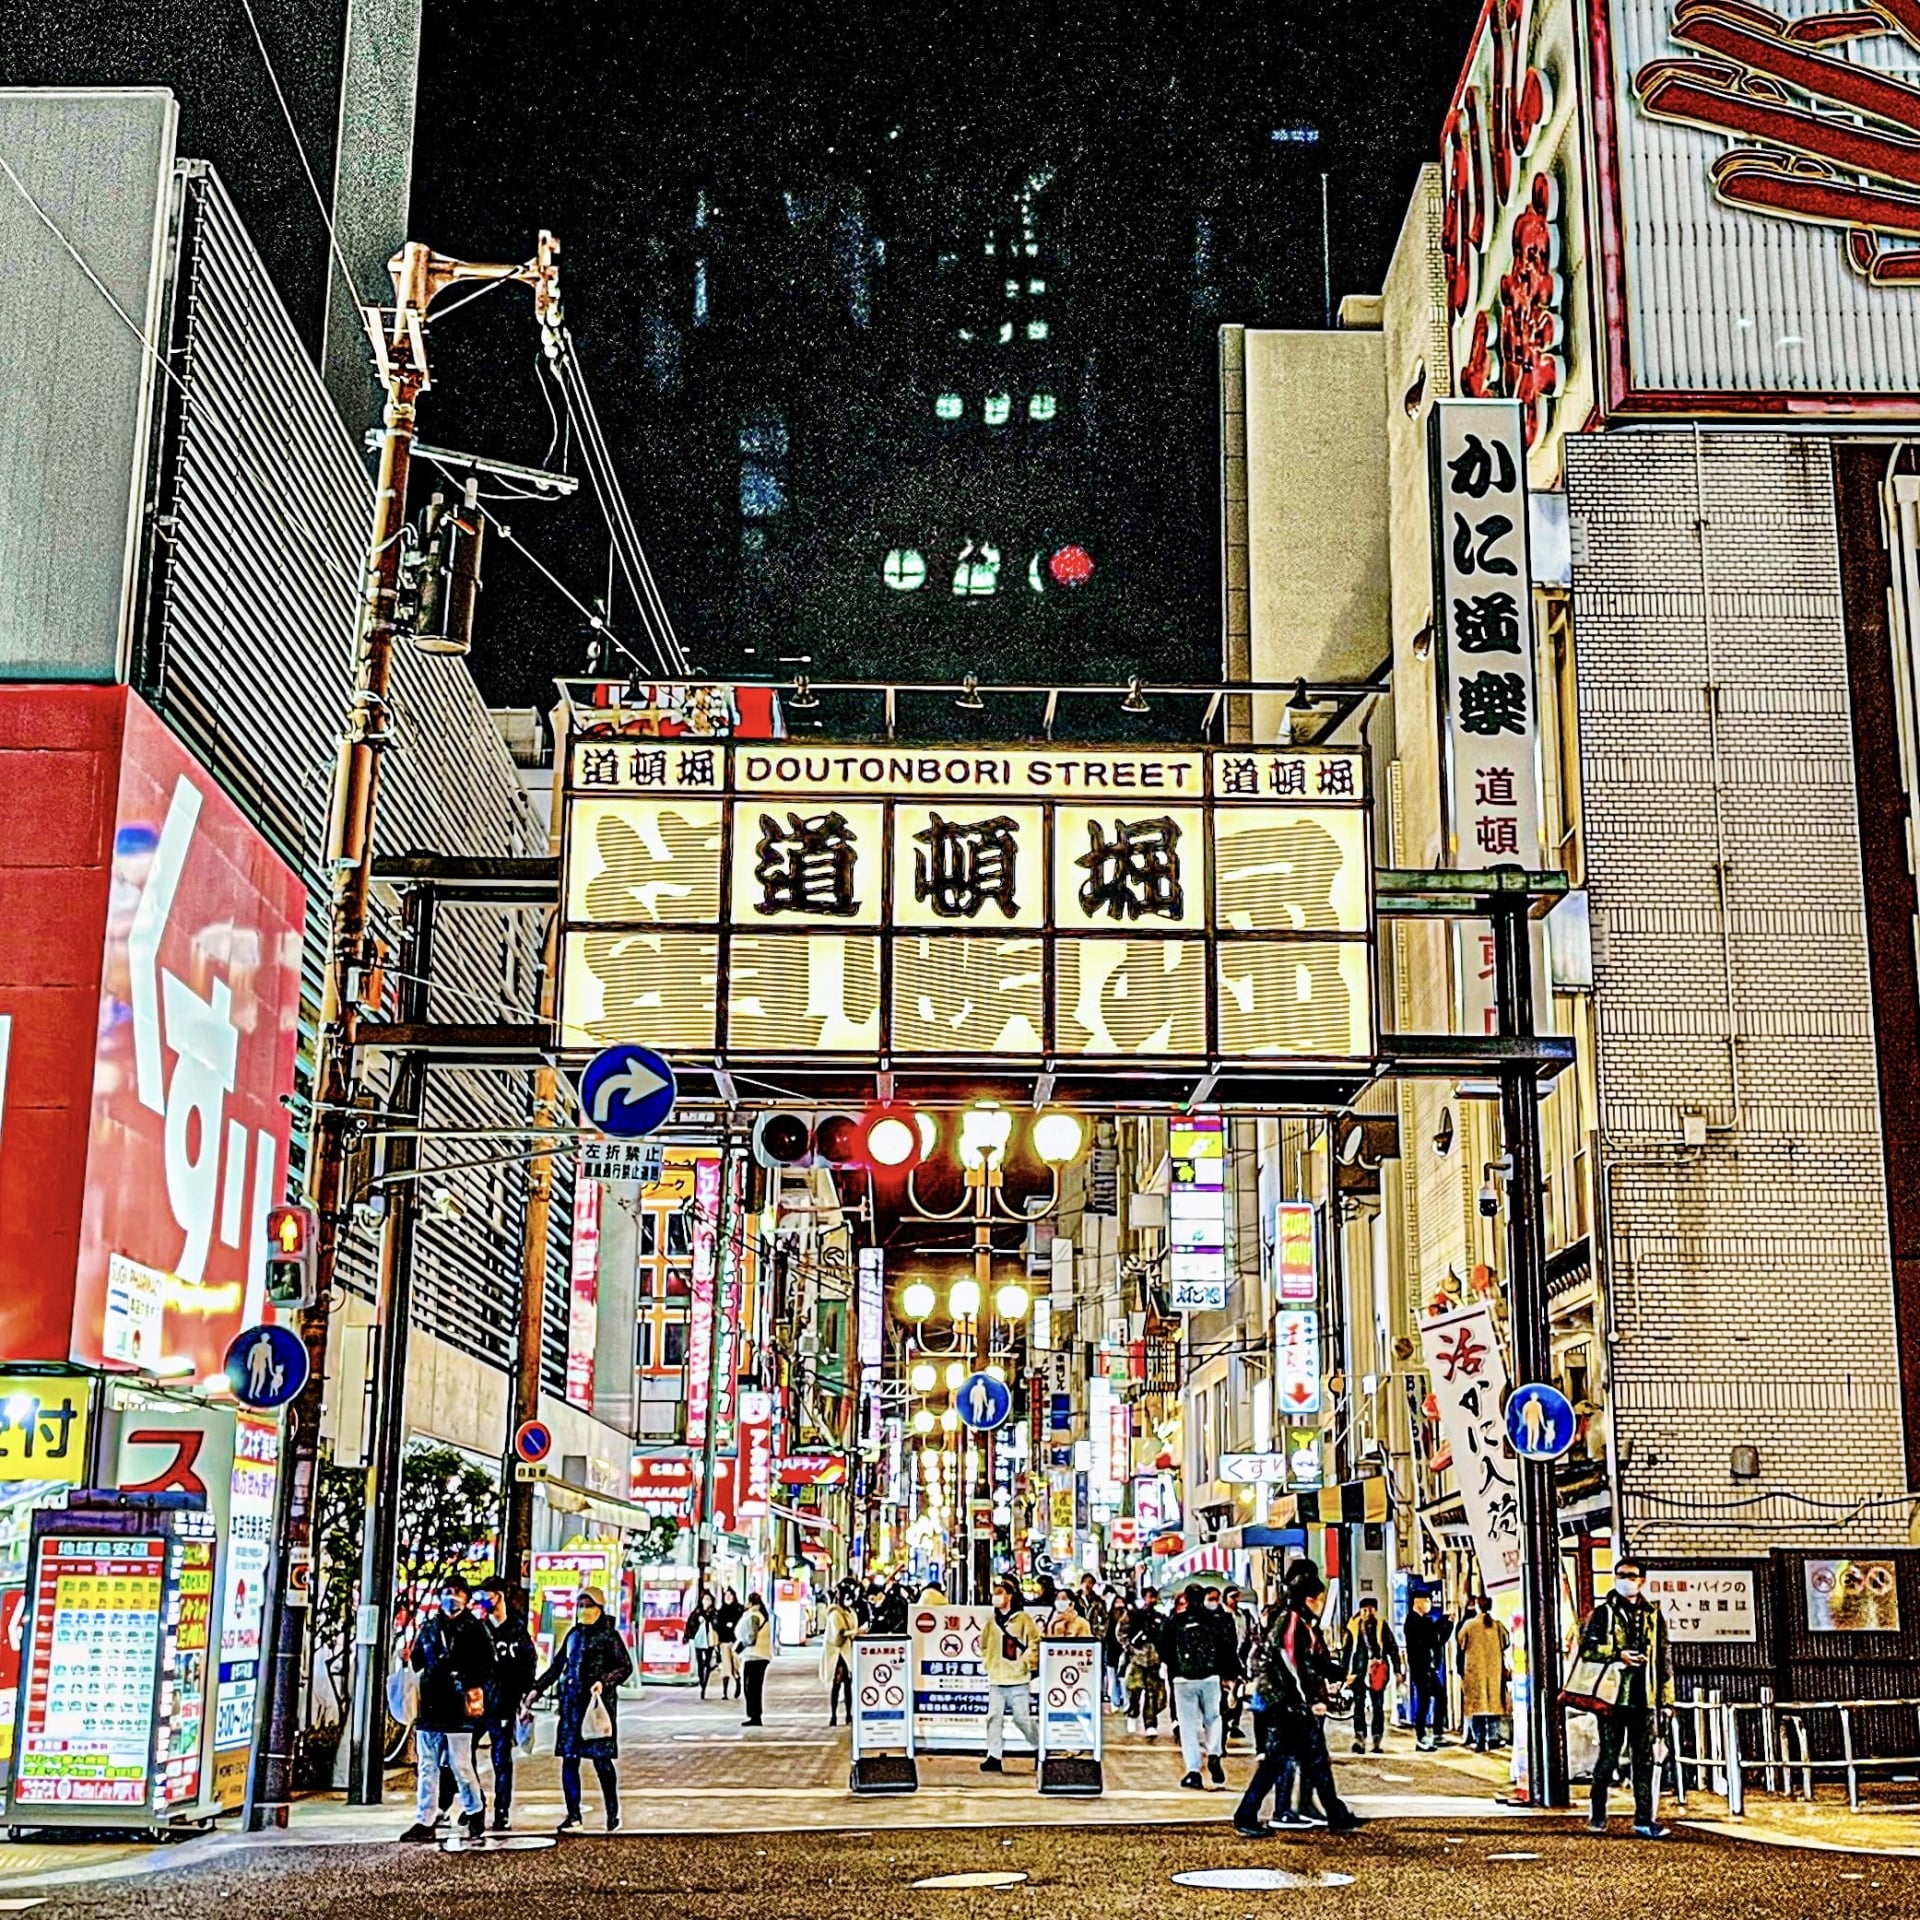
293, 1256
886, 1138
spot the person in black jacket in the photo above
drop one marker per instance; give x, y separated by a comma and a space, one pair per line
726, 1621
1295, 1668
1427, 1634
453, 1655
514, 1663
1202, 1655
592, 1662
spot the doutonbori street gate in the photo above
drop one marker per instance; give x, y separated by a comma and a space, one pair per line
1127, 926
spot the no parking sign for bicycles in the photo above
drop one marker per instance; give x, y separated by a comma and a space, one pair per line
1070, 1696
882, 1695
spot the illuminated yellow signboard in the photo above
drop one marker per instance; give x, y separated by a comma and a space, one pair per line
947, 903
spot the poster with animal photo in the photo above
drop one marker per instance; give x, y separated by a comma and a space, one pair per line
1852, 1596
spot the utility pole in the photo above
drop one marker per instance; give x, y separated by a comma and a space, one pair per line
523, 1403
1532, 1350
400, 356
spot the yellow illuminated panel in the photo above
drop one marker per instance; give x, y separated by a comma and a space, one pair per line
1290, 870
1126, 777
806, 993
1130, 869
967, 994
801, 861
655, 988
1136, 998
1296, 998
635, 862
968, 867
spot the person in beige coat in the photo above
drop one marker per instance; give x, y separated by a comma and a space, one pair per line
1010, 1654
840, 1624
1483, 1645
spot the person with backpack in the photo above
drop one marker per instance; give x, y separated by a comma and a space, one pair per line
1202, 1656
1295, 1673
1145, 1654
1373, 1659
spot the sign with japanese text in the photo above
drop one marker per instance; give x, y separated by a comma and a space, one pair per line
1483, 652
1715, 1603
583, 1293
949, 905
950, 1680
1069, 1689
1512, 236
1197, 1210
199, 1010
1297, 1274
756, 1455
1759, 204
1296, 1362
1469, 1376
665, 1483
701, 1330
249, 1562
882, 1694
616, 1162
43, 1427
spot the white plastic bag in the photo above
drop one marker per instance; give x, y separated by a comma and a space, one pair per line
523, 1733
403, 1695
596, 1723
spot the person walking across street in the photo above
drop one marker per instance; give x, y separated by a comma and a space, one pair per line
1295, 1670
453, 1655
839, 1626
1627, 1632
506, 1689
1373, 1659
1113, 1651
1482, 1643
1145, 1654
1427, 1634
1233, 1692
702, 1635
726, 1623
1202, 1656
753, 1641
592, 1663
1010, 1653
1069, 1622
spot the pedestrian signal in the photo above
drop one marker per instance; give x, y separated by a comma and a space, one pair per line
293, 1256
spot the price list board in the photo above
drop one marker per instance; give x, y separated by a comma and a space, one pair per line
86, 1724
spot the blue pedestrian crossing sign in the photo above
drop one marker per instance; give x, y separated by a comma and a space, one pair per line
267, 1366
627, 1092
1540, 1422
984, 1402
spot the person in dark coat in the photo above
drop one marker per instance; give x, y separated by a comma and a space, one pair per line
514, 1663
1427, 1633
702, 1634
726, 1620
1296, 1671
453, 1655
593, 1659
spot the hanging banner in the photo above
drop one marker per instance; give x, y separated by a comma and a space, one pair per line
583, 1293
756, 1455
1469, 1376
1197, 1257
1296, 1362
704, 1293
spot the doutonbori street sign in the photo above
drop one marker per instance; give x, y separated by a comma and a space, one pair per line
1133, 921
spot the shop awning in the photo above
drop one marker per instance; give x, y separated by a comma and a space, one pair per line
1352, 1503
609, 1509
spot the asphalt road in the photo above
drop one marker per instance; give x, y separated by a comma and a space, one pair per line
1400, 1870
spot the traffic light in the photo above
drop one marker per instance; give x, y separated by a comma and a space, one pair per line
798, 1139
293, 1256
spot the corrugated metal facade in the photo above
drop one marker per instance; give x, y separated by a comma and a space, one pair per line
262, 511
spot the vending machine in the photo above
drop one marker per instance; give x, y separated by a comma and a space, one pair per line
110, 1724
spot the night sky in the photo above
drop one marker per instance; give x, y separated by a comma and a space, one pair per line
772, 223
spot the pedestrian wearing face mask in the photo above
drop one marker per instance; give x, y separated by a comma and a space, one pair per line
453, 1655
592, 1662
1626, 1631
514, 1665
1010, 1653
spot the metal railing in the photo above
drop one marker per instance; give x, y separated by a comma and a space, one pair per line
1778, 1750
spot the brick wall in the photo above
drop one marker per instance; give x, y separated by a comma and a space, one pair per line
1750, 1278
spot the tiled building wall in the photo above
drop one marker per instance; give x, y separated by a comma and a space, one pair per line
1750, 1279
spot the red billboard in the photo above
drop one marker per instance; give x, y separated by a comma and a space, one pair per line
150, 992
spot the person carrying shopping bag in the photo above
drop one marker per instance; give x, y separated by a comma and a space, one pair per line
592, 1662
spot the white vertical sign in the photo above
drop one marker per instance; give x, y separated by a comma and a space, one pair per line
1483, 650
1469, 1375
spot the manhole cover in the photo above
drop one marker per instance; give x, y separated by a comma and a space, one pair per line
961, 1881
1259, 1879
